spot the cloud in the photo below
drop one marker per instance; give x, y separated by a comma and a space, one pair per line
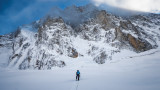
138, 5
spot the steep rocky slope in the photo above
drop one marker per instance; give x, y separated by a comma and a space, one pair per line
79, 33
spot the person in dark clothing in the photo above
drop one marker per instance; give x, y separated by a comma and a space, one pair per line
77, 75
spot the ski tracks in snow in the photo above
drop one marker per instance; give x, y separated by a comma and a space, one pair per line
75, 86
141, 55
135, 56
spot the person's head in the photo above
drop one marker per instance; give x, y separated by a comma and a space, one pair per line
77, 70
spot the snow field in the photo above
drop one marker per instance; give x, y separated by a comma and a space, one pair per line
137, 73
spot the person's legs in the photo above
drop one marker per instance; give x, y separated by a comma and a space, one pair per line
78, 77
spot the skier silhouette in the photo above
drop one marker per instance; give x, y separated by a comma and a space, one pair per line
77, 75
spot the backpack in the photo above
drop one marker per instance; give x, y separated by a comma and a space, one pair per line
78, 72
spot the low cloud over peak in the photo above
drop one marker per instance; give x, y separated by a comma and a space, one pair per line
152, 6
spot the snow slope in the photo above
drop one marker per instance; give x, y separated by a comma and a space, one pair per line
136, 73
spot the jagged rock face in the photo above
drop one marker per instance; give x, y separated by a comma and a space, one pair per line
50, 26
90, 32
52, 39
6, 41
127, 25
128, 40
105, 19
56, 35
55, 41
72, 52
100, 59
139, 45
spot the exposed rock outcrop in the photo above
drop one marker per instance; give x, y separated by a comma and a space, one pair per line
101, 58
105, 19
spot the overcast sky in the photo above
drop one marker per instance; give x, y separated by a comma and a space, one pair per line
14, 13
138, 5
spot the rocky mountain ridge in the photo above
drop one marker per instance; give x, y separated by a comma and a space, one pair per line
79, 33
